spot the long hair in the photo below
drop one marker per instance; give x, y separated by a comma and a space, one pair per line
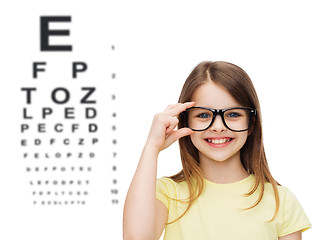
236, 81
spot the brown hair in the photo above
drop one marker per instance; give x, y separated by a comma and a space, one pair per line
236, 81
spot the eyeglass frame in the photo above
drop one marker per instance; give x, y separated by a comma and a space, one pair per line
252, 113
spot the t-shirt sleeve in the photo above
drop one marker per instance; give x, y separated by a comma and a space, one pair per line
294, 217
162, 191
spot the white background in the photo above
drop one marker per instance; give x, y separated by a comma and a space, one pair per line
158, 43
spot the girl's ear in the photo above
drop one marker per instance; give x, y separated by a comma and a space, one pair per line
252, 126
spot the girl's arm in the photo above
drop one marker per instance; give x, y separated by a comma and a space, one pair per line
144, 215
293, 236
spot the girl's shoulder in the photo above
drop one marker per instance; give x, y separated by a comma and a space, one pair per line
171, 187
286, 196
170, 183
167, 189
282, 190
291, 212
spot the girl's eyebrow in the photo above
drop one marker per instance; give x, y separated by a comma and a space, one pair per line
233, 106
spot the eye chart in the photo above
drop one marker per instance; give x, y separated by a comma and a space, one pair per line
63, 172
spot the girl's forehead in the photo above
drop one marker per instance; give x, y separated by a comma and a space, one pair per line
214, 96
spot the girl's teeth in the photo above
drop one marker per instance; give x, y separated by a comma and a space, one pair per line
219, 141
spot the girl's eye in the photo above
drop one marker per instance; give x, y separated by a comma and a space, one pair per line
203, 115
233, 114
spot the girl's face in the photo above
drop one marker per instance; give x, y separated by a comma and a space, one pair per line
211, 95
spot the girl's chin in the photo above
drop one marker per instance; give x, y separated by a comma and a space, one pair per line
218, 156
215, 158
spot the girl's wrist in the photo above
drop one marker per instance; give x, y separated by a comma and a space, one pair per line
148, 147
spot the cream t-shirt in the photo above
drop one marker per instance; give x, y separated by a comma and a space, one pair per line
217, 213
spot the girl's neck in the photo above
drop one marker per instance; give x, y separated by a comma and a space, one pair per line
228, 171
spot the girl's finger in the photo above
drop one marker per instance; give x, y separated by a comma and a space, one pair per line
175, 135
172, 125
174, 111
170, 106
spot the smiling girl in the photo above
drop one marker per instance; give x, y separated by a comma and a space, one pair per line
225, 190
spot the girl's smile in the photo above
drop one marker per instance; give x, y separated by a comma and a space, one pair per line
219, 142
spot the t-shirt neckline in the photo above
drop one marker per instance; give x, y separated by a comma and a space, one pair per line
240, 182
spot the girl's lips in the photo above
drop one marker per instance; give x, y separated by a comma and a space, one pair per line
218, 142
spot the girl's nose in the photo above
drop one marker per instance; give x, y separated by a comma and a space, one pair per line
218, 125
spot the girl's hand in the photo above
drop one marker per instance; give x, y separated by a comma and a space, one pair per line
162, 133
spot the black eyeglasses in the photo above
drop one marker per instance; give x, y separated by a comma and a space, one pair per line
237, 119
